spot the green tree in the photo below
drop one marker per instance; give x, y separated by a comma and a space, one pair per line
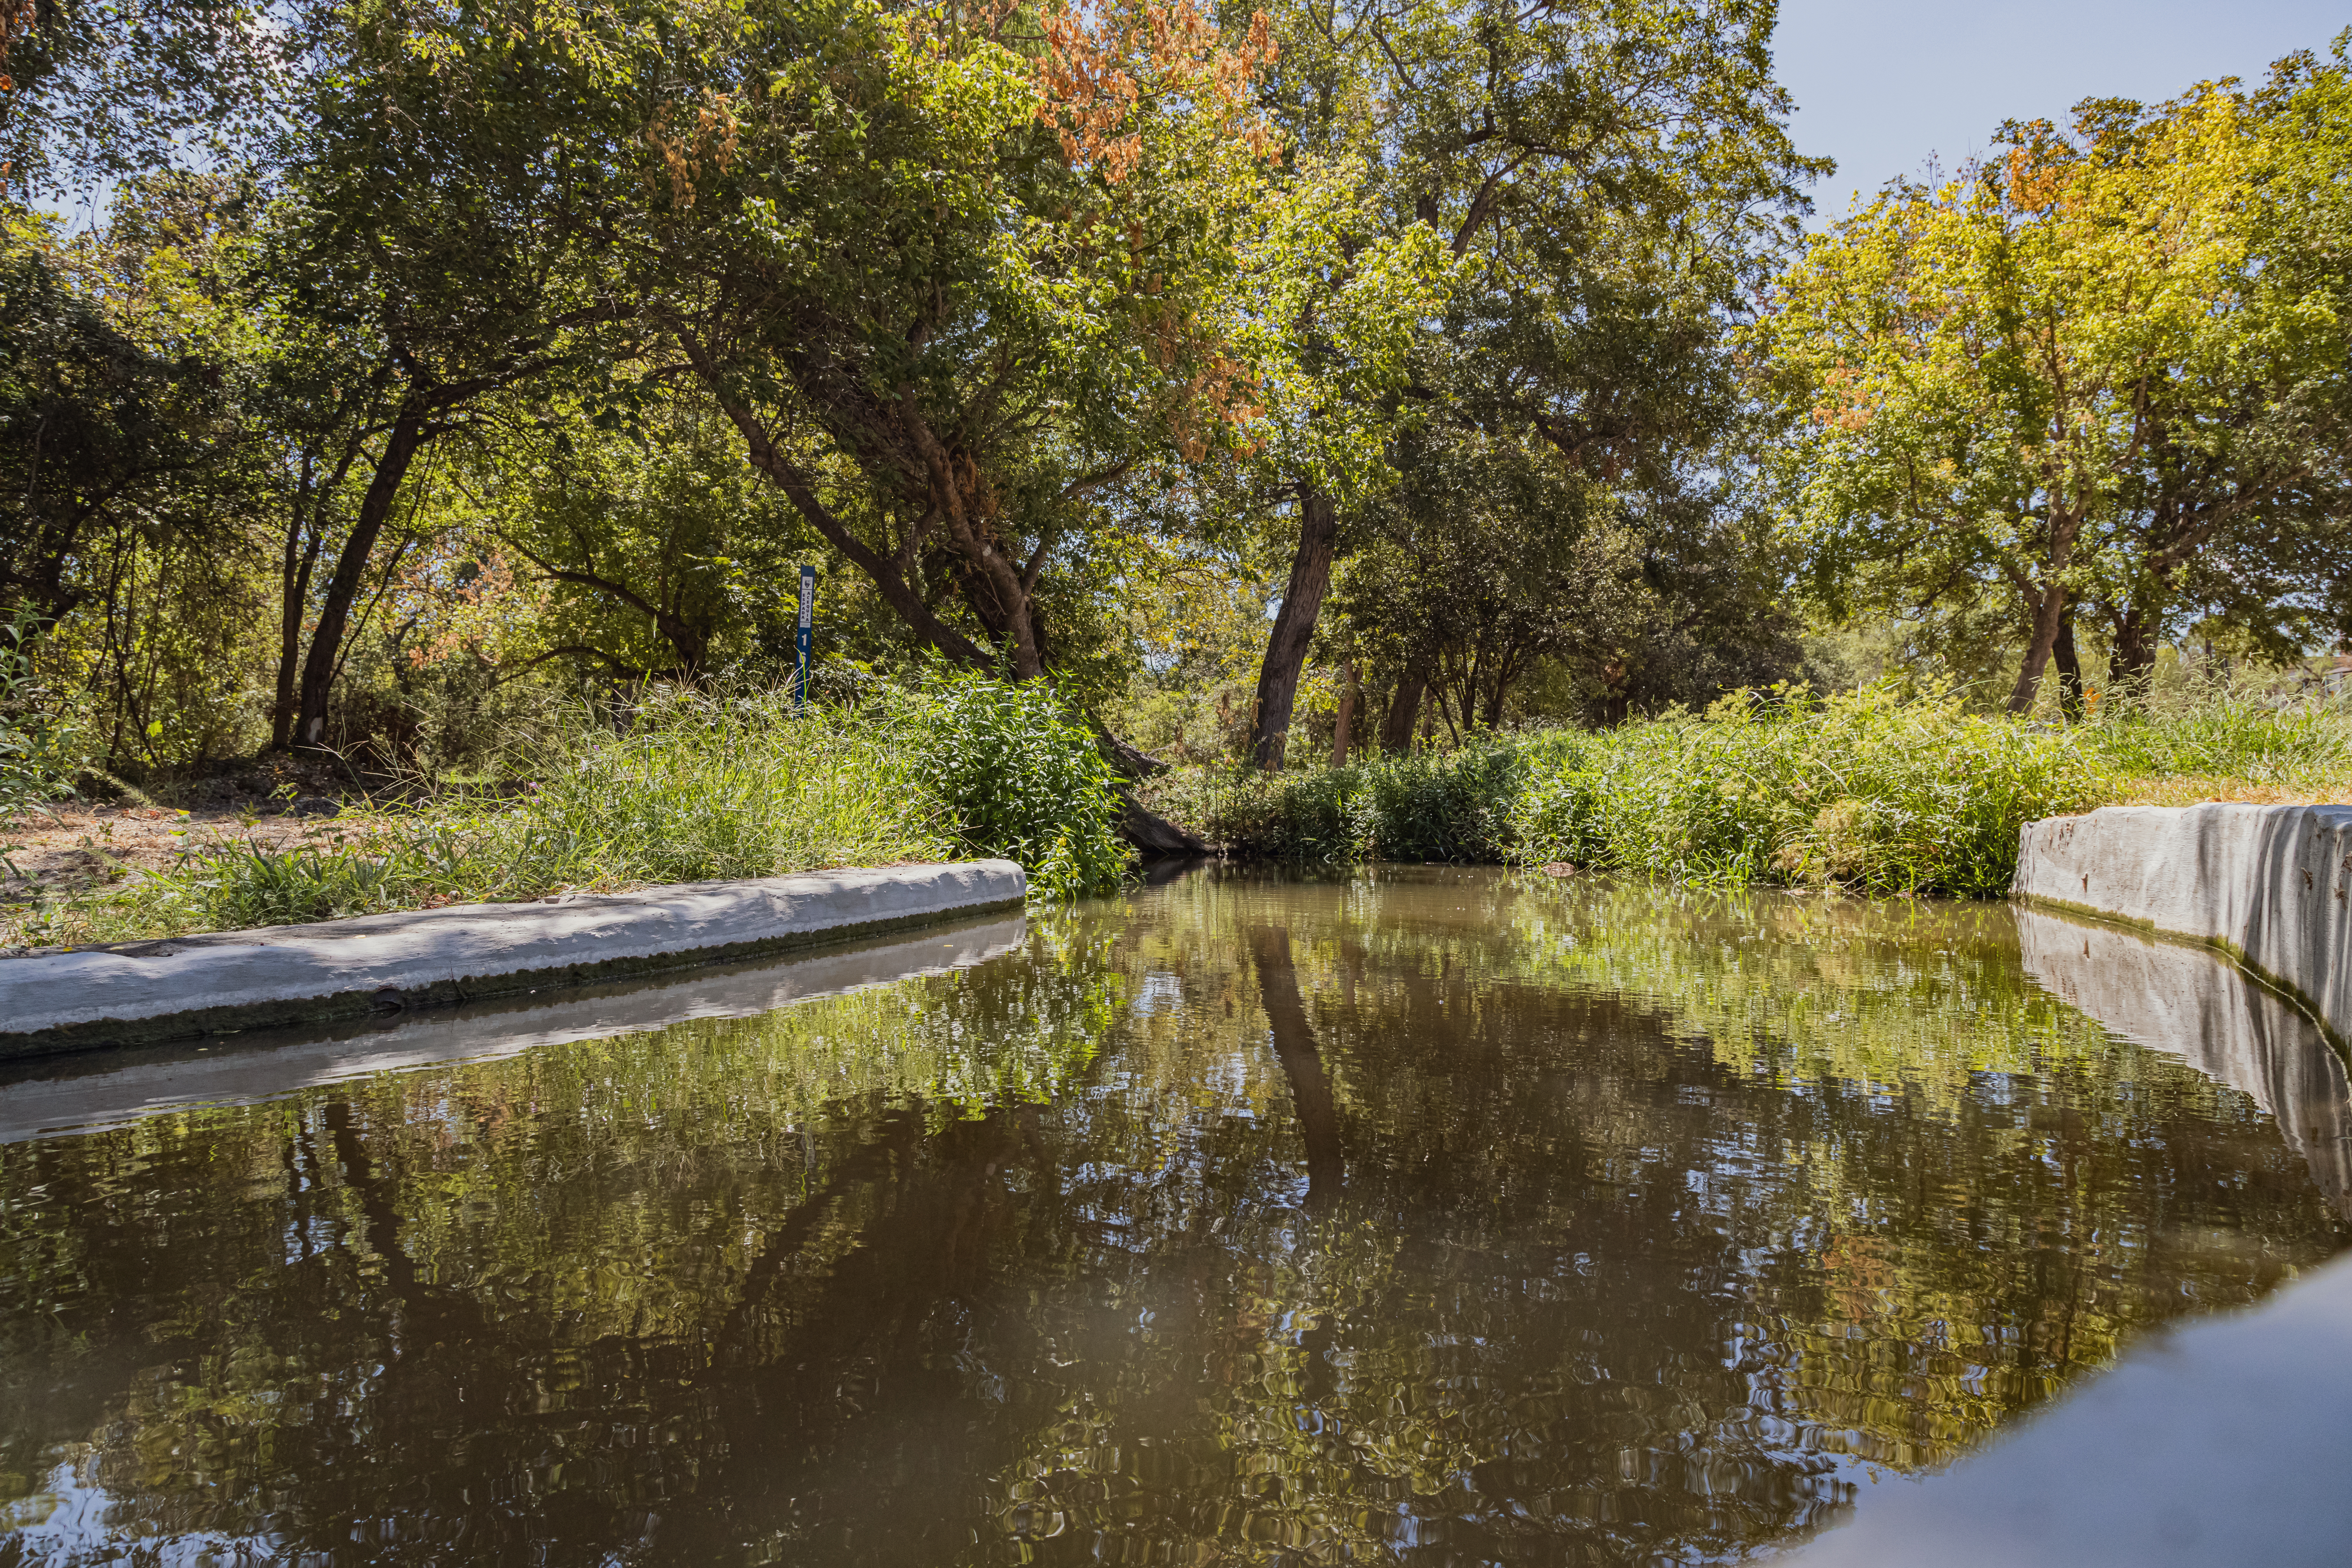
98, 422
665, 554
2102, 368
955, 280
1607, 179
94, 90
453, 184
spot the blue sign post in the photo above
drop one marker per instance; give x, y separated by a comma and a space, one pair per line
801, 636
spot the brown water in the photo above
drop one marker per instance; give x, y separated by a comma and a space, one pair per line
1432, 1217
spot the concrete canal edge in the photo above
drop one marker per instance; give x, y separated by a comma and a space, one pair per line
179, 987
2270, 885
2213, 1441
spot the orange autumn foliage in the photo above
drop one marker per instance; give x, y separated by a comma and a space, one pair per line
1101, 66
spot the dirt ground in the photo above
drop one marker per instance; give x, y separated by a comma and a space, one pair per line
272, 803
83, 844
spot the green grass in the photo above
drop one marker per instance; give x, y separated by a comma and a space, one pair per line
1870, 789
700, 787
2247, 747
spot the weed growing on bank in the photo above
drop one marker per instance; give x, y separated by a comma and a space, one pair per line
1865, 789
697, 787
1870, 789
2178, 751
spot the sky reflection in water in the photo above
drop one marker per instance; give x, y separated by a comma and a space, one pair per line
1434, 1216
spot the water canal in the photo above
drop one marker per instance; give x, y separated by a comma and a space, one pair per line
1424, 1217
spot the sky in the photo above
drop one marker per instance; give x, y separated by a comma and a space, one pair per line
1879, 87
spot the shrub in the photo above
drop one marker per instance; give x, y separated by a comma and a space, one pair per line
1867, 789
1447, 806
1019, 777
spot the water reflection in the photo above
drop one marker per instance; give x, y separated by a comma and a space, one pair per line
2192, 1003
1435, 1217
1294, 1047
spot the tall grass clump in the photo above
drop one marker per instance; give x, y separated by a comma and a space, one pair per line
702, 787
1867, 789
696, 787
2224, 734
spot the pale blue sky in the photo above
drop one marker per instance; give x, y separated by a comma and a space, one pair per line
1880, 87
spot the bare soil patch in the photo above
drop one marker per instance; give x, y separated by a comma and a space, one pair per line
82, 846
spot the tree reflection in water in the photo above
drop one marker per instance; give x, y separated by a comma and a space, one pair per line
1435, 1217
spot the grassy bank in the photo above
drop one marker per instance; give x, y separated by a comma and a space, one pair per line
698, 787
1866, 790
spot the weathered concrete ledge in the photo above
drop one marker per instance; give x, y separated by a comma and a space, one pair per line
89, 1090
138, 993
2267, 884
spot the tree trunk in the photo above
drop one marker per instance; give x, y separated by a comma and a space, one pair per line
1152, 832
2133, 663
2049, 615
2070, 666
775, 465
400, 448
997, 589
1404, 707
2047, 607
301, 558
1349, 696
1148, 831
1505, 669
1294, 628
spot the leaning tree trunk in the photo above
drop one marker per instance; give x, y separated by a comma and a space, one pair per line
1294, 628
2047, 607
2048, 616
401, 446
303, 539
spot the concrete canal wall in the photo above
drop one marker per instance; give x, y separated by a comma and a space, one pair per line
2268, 884
89, 1090
2219, 1442
139, 993
2216, 1440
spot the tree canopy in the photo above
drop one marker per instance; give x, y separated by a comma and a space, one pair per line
418, 364
2104, 366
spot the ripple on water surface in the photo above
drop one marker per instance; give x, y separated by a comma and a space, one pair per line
1431, 1216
